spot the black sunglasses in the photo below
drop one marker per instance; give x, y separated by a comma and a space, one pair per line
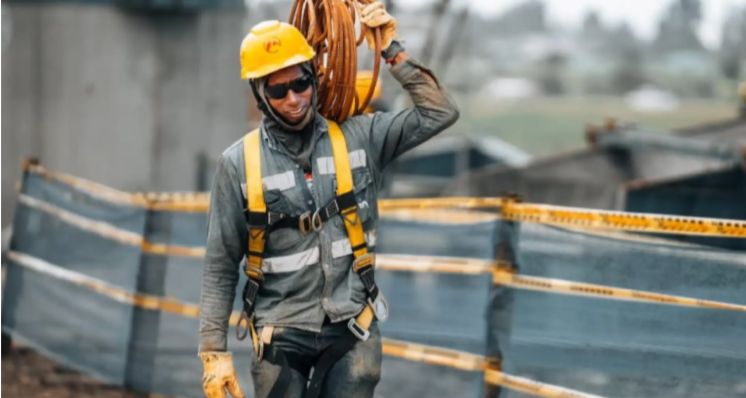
279, 91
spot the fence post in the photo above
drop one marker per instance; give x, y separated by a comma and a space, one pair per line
501, 301
145, 323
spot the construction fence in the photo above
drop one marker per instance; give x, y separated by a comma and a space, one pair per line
489, 296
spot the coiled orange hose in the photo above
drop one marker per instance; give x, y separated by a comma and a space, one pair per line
329, 27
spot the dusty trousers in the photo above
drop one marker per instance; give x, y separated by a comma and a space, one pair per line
356, 374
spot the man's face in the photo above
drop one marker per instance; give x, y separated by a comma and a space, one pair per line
294, 105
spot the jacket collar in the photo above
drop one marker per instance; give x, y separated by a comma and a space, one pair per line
268, 126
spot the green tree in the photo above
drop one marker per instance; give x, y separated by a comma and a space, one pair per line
677, 30
629, 73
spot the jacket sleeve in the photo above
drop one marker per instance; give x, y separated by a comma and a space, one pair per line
393, 133
226, 239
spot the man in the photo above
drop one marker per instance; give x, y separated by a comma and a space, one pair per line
309, 290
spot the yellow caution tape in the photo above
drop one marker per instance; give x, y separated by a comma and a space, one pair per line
503, 274
440, 216
551, 285
99, 228
94, 189
410, 351
627, 236
454, 265
434, 355
199, 201
387, 205
161, 201
501, 271
172, 250
422, 209
395, 348
110, 231
472, 362
532, 387
451, 210
639, 222
115, 293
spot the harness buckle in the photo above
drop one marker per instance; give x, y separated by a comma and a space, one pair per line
273, 217
243, 325
305, 222
331, 209
317, 221
357, 330
380, 307
367, 259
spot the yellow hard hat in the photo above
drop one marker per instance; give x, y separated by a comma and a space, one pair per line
271, 46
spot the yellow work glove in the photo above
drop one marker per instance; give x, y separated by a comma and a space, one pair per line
219, 375
374, 15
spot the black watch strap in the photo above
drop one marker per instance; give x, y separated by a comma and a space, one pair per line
392, 50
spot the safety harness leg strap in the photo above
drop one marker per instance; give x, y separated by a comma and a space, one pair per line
328, 358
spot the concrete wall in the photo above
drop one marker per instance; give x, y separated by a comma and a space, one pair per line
132, 100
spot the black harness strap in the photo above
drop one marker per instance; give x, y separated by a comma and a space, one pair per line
328, 358
367, 276
337, 205
278, 358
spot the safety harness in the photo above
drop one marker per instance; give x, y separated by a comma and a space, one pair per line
262, 222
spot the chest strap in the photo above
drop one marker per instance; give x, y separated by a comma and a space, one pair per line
307, 222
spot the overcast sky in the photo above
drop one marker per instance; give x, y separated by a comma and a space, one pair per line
642, 15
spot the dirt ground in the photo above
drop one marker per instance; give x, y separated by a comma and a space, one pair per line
29, 375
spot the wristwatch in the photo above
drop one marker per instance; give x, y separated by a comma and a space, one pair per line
390, 52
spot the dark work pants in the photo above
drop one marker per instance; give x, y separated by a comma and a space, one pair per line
354, 375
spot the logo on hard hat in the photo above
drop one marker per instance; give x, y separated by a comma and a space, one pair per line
272, 45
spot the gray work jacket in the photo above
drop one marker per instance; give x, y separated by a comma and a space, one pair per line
308, 277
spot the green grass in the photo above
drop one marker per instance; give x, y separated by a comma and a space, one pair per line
547, 125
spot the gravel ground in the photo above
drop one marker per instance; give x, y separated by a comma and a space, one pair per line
27, 374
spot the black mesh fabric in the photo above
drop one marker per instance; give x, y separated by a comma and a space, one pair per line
56, 304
